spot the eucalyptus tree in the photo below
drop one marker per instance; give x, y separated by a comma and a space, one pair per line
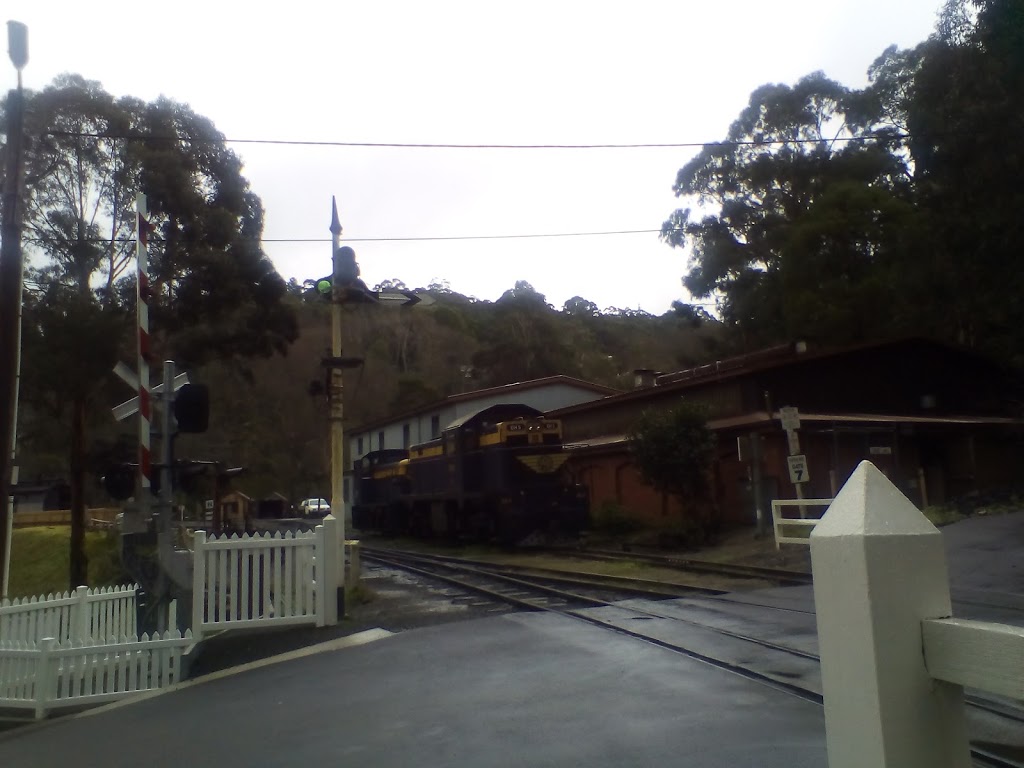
844, 215
215, 294
795, 214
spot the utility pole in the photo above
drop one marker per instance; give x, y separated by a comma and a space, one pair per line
10, 292
337, 409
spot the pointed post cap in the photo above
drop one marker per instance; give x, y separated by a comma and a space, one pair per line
870, 505
335, 221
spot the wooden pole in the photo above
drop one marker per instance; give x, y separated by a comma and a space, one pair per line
10, 314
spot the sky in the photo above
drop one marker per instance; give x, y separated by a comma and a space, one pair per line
447, 72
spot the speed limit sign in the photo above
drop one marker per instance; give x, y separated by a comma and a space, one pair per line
798, 469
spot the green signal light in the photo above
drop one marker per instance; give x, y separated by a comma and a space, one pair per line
324, 286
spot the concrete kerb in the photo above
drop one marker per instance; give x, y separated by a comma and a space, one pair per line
349, 641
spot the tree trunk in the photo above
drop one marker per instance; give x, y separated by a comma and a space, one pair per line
79, 565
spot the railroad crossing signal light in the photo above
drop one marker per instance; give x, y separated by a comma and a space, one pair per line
119, 482
346, 270
192, 408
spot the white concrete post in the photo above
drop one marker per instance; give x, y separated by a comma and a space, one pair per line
879, 570
198, 583
330, 568
79, 629
353, 563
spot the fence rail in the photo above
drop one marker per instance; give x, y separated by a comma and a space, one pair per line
803, 523
77, 615
50, 674
893, 661
265, 579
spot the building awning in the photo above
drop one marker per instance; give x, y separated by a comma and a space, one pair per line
763, 418
618, 442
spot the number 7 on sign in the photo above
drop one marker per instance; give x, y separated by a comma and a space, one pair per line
798, 469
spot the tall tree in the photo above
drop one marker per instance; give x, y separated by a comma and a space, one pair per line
845, 215
215, 293
797, 214
958, 95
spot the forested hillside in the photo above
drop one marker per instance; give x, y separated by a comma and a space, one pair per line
271, 415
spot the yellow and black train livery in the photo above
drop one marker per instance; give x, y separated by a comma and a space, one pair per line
495, 474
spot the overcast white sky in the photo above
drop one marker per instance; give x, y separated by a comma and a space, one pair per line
477, 72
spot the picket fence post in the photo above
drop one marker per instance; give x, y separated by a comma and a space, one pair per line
45, 680
880, 570
79, 629
329, 564
198, 583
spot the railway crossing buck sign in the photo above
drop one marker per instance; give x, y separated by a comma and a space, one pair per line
798, 469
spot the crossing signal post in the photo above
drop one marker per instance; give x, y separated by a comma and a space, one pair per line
344, 277
10, 294
343, 286
185, 407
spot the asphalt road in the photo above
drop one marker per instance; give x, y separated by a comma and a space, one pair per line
513, 690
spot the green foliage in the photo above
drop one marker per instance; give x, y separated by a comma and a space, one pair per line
849, 215
673, 449
612, 519
412, 392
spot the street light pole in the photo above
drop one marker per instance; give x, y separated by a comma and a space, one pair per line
10, 293
335, 391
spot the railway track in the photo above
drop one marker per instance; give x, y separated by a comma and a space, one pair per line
774, 575
598, 600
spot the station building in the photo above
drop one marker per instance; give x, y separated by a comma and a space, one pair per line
939, 421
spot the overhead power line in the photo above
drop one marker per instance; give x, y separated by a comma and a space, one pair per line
414, 145
464, 237
406, 239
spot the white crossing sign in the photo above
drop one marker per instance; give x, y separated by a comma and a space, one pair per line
129, 407
798, 469
790, 417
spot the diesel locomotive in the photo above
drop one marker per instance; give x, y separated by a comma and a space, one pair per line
497, 474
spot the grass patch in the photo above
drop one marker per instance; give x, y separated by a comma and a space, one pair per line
40, 560
359, 594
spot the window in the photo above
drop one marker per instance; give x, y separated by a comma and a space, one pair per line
380, 441
359, 446
405, 435
435, 426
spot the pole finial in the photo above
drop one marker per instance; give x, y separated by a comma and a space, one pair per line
335, 221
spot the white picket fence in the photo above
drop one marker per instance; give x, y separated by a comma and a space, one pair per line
268, 579
50, 674
84, 613
893, 662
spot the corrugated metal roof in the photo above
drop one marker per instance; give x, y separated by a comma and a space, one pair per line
525, 410
517, 386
